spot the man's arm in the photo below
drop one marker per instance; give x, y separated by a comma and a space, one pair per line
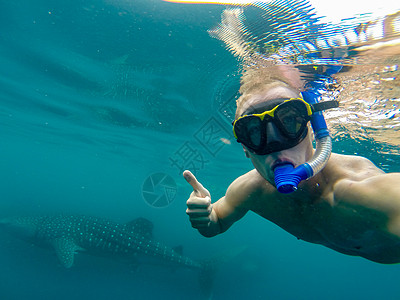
377, 195
212, 219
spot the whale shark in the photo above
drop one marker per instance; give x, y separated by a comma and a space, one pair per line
68, 235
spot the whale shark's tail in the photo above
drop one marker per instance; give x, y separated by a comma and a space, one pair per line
207, 277
211, 266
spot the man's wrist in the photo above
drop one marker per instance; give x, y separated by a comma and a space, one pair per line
213, 228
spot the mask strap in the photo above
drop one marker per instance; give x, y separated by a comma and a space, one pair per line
320, 106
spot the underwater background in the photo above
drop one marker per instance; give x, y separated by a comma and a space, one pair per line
103, 104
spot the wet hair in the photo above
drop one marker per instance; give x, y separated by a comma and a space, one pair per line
258, 80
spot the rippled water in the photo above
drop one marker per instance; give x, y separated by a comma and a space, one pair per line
367, 47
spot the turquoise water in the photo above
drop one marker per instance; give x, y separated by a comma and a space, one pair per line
98, 96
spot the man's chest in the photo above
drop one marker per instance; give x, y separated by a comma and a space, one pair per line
335, 226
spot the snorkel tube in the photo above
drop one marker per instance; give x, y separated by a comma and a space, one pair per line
287, 178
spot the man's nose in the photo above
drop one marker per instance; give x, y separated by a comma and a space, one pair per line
273, 134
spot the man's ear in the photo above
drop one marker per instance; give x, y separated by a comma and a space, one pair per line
246, 152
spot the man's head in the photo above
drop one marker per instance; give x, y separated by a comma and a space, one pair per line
277, 146
271, 79
268, 92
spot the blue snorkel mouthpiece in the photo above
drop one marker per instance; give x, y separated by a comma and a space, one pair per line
287, 178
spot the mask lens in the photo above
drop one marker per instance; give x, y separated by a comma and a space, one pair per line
292, 117
248, 131
254, 133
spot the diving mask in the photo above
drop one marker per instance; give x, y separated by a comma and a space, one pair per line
276, 125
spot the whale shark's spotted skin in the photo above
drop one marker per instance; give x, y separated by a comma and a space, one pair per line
97, 236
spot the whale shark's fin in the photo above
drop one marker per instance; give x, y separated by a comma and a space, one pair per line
65, 249
141, 226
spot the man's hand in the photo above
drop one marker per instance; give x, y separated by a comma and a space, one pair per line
199, 203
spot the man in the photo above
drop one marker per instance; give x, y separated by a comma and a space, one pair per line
350, 206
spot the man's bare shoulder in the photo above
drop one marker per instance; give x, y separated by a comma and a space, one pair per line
351, 167
251, 181
359, 182
373, 194
248, 187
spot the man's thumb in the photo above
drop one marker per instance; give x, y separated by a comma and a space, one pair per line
198, 188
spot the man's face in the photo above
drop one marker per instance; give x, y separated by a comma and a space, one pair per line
295, 155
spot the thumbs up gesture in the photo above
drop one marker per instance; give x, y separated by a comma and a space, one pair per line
199, 203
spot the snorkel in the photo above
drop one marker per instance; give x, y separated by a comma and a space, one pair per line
287, 178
